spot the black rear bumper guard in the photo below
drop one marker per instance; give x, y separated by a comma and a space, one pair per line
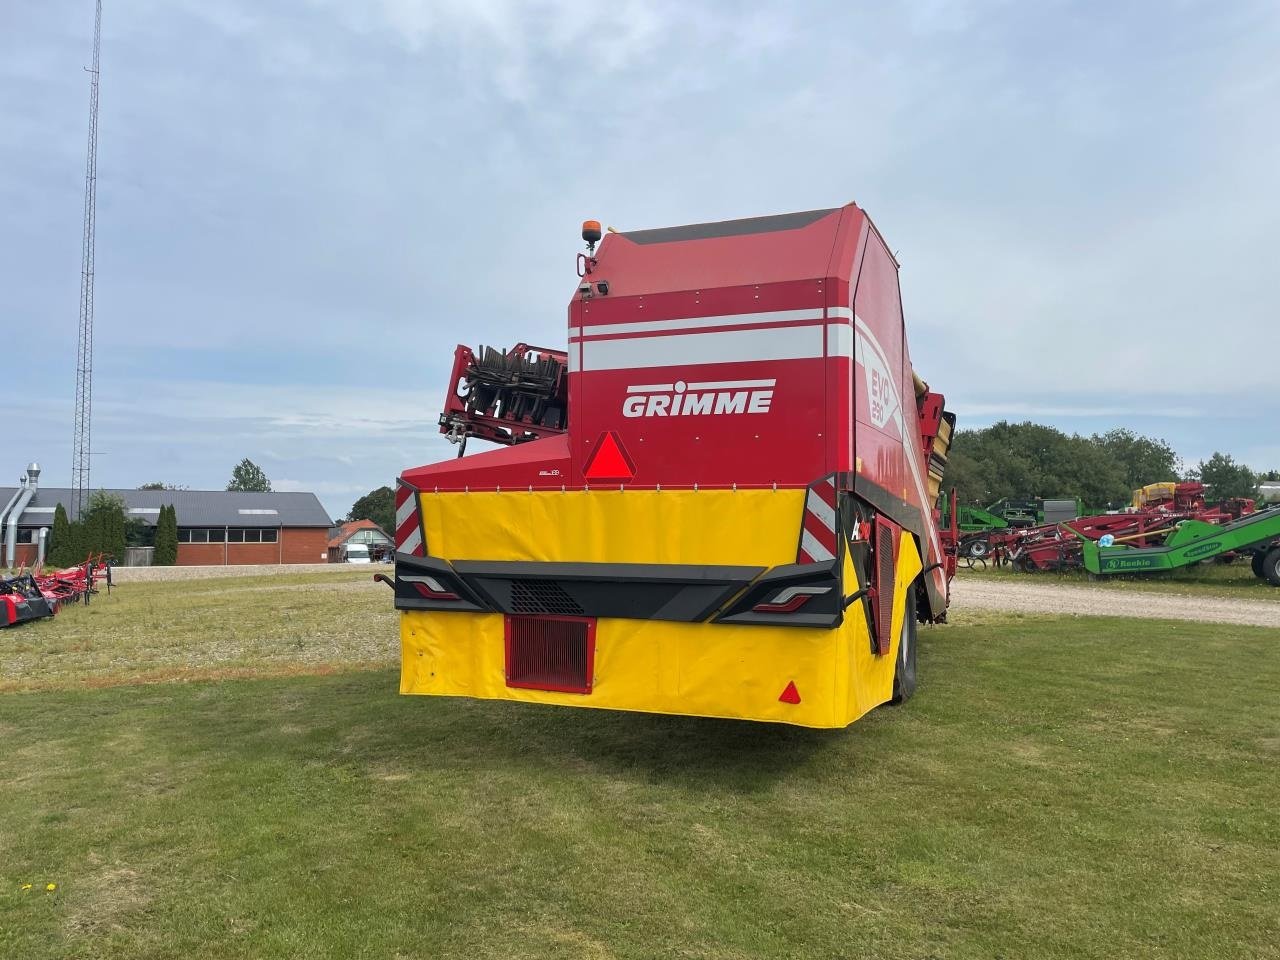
806, 595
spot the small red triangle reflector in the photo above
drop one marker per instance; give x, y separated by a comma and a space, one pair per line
609, 461
790, 694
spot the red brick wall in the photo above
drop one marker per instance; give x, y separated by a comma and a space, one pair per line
253, 552
305, 545
300, 545
200, 554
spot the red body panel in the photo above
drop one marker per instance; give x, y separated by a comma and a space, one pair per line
749, 353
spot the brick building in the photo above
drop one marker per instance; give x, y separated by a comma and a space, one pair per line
214, 526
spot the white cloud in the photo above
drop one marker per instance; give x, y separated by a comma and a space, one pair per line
325, 488
324, 197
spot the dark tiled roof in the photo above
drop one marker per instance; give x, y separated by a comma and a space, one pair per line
195, 508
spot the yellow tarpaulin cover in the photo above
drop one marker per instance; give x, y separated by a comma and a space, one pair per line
612, 526
703, 669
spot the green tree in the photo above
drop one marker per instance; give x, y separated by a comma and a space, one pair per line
103, 525
1032, 460
1226, 478
76, 549
247, 475
166, 552
1142, 459
969, 473
159, 485
376, 505
61, 552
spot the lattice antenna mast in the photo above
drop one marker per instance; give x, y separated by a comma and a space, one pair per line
81, 448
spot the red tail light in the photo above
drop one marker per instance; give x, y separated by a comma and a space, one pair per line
431, 588
551, 653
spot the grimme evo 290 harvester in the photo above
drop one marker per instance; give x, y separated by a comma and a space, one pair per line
717, 502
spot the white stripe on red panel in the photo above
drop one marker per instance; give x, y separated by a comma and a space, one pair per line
818, 538
824, 512
812, 550
839, 340
404, 505
724, 346
408, 526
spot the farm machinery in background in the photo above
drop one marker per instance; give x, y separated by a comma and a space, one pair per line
974, 525
1168, 525
35, 595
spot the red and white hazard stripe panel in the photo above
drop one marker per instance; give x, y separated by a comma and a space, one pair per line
408, 523
818, 531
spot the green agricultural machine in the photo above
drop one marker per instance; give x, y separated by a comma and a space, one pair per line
1192, 542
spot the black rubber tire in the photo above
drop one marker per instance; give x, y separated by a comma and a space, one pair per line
977, 548
904, 672
1271, 566
1256, 563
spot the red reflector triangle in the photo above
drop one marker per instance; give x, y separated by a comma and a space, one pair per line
610, 460
790, 694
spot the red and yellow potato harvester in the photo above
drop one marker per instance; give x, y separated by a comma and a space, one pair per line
717, 502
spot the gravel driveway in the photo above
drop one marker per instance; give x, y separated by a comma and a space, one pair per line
1028, 596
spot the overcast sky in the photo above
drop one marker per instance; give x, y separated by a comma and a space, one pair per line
304, 204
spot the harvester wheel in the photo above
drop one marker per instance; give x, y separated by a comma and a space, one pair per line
904, 673
1271, 566
977, 548
1256, 563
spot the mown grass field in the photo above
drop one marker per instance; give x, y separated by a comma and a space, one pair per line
1231, 580
207, 629
1059, 787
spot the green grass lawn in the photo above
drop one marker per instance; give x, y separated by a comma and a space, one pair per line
1059, 787
1230, 580
211, 629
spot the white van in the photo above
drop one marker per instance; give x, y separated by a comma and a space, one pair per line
356, 553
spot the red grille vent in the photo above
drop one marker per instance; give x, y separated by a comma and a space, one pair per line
551, 653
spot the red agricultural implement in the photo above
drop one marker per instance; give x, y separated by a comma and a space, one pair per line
21, 600
506, 397
33, 596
